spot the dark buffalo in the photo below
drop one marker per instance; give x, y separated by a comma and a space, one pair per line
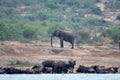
37, 69
48, 63
84, 69
47, 70
2, 71
97, 69
71, 64
60, 67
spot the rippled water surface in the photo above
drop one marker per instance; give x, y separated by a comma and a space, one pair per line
61, 77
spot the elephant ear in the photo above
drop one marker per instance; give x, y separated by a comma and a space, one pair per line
58, 32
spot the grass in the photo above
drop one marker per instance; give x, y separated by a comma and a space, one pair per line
20, 63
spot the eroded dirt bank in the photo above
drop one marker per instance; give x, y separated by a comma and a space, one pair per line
37, 52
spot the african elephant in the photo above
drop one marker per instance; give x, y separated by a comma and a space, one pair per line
63, 35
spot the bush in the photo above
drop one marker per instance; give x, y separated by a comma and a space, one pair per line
51, 4
96, 22
118, 17
55, 26
14, 32
31, 17
96, 10
9, 32
9, 3
82, 37
19, 62
113, 4
81, 3
75, 19
29, 32
46, 14
27, 2
113, 33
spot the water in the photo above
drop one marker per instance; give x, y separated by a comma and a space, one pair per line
60, 77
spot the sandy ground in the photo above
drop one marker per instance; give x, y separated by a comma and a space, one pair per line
36, 52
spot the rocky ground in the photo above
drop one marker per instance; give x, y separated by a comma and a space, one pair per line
36, 52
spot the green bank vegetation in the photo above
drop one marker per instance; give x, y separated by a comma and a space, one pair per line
25, 20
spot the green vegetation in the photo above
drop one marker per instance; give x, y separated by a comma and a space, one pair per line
83, 37
25, 20
113, 4
118, 17
96, 10
113, 33
96, 22
9, 32
19, 62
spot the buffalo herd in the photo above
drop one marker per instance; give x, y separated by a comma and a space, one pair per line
54, 66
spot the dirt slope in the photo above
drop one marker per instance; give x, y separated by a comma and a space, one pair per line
39, 51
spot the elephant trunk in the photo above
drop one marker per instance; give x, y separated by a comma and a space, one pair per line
51, 40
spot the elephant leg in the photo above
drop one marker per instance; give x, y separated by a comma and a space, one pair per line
72, 46
61, 43
72, 43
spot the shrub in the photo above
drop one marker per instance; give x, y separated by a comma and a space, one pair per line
113, 33
81, 3
118, 17
75, 19
29, 32
82, 37
31, 17
46, 14
51, 4
96, 10
43, 15
9, 32
96, 22
55, 26
113, 4
27, 2
19, 62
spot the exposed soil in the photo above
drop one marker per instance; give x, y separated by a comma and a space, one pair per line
38, 51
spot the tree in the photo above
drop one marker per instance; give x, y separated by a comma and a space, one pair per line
96, 10
9, 32
51, 4
29, 32
113, 33
82, 37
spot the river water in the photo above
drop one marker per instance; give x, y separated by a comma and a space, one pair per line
60, 77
